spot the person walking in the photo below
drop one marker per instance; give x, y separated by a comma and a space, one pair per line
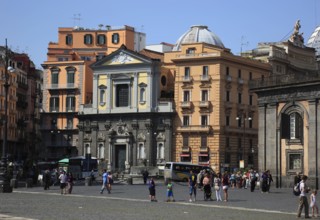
63, 182
269, 180
104, 181
170, 192
110, 181
303, 201
152, 190
192, 184
145, 175
70, 183
46, 179
225, 186
313, 204
217, 186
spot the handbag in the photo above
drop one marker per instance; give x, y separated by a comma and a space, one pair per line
216, 187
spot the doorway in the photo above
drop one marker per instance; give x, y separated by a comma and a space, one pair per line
120, 157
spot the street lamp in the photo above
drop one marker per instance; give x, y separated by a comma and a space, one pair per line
4, 175
243, 118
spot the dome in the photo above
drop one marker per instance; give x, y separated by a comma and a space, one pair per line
314, 40
197, 34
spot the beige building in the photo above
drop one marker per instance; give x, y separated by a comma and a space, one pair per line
68, 81
217, 118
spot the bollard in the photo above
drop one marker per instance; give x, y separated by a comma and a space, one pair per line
88, 181
130, 181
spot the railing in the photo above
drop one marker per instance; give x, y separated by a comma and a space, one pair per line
62, 86
194, 128
204, 104
192, 55
284, 80
185, 104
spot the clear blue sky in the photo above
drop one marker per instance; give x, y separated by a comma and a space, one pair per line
29, 25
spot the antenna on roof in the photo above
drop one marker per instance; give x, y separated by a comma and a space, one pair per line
243, 43
76, 17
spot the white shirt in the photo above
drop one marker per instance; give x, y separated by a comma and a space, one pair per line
302, 187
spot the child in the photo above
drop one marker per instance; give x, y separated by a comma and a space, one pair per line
170, 191
313, 203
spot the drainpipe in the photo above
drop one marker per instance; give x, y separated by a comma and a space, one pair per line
317, 179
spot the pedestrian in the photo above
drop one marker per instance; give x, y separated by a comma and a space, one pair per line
297, 179
170, 192
217, 186
110, 181
253, 180
152, 190
313, 203
104, 181
192, 184
206, 187
264, 182
63, 182
269, 180
303, 201
70, 183
46, 179
225, 186
145, 175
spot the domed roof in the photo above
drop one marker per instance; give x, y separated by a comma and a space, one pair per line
197, 34
314, 40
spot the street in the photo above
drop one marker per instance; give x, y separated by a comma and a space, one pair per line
131, 202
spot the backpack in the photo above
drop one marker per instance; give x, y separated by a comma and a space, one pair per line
296, 189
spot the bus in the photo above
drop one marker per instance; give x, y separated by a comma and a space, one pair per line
81, 166
179, 171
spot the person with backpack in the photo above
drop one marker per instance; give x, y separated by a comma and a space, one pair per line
303, 200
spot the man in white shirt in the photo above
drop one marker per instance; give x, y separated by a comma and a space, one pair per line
303, 200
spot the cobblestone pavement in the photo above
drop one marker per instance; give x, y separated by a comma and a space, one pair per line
132, 202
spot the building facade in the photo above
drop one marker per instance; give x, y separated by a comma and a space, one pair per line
289, 110
127, 124
217, 118
68, 81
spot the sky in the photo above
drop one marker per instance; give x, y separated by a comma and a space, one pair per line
30, 25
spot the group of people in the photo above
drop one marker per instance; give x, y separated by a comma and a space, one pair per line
301, 182
107, 180
65, 179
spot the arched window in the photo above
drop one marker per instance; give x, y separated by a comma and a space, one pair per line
70, 76
160, 151
101, 39
115, 38
87, 149
296, 126
55, 77
69, 39
141, 151
142, 95
88, 39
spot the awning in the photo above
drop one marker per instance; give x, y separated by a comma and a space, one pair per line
184, 155
203, 155
65, 160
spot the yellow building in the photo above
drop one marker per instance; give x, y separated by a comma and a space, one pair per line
68, 80
217, 121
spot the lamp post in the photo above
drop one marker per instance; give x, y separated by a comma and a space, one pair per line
4, 175
243, 118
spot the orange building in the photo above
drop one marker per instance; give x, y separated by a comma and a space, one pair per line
217, 121
68, 80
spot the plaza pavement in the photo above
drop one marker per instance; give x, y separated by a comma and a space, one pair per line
242, 204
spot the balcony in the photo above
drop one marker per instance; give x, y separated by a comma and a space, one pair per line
204, 104
205, 78
70, 109
186, 79
54, 109
228, 78
195, 128
62, 86
186, 104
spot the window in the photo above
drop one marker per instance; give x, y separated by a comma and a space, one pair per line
204, 120
239, 98
250, 123
88, 39
186, 120
70, 103
187, 73
203, 158
185, 141
191, 51
70, 76
227, 120
101, 39
228, 96
186, 96
101, 151
227, 158
87, 149
163, 80
295, 161
250, 159
141, 151
227, 71
204, 95
69, 123
296, 126
205, 72
54, 104
54, 77
142, 95
227, 142
239, 119
250, 99
115, 38
250, 75
160, 151
239, 74
122, 95
204, 141
239, 143
69, 39
185, 157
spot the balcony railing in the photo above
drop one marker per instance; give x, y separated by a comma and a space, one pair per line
205, 78
204, 104
194, 128
62, 86
186, 104
284, 80
186, 78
